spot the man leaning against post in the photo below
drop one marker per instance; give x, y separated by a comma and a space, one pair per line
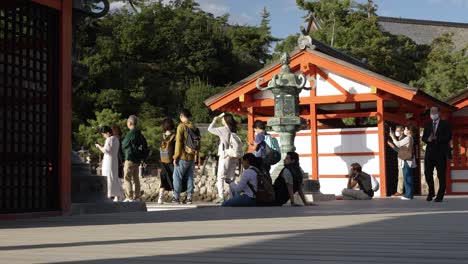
437, 135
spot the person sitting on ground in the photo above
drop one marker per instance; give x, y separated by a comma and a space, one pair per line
244, 190
289, 181
357, 177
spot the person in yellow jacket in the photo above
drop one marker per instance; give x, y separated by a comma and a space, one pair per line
186, 148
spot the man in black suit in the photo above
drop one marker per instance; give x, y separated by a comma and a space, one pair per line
437, 135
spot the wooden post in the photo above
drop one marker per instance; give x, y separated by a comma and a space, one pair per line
250, 121
381, 129
65, 106
314, 142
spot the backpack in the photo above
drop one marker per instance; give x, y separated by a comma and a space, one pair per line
166, 149
234, 150
375, 183
193, 140
139, 147
281, 187
272, 152
265, 194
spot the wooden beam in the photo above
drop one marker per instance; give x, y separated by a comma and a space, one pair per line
331, 81
382, 161
332, 99
362, 76
249, 85
55, 4
395, 118
346, 115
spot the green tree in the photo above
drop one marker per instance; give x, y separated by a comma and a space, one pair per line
354, 29
446, 69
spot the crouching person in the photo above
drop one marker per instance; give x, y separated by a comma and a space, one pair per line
357, 177
244, 191
290, 181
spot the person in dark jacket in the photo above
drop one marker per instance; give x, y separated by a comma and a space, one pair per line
437, 135
290, 181
132, 191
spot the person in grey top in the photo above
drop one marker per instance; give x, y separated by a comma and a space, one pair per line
357, 177
226, 165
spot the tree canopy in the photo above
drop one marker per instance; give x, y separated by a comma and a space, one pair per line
153, 62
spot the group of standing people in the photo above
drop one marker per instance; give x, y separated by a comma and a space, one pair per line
437, 136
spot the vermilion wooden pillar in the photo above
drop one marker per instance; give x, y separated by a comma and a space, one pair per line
65, 105
381, 129
314, 141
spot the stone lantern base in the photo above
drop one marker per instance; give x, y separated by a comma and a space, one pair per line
312, 192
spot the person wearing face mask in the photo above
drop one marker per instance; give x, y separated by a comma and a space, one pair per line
408, 164
399, 135
437, 135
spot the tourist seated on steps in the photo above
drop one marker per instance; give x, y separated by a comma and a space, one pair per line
357, 177
243, 193
289, 181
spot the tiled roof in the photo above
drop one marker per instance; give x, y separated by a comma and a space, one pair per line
424, 31
319, 46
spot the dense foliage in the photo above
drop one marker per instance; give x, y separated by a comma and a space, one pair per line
153, 62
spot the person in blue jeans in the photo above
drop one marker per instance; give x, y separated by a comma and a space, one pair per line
184, 162
244, 190
407, 165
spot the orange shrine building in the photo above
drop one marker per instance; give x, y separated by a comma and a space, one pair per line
348, 115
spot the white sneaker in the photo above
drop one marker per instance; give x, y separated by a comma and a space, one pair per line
160, 200
116, 199
128, 200
404, 198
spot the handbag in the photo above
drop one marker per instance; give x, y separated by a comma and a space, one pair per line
406, 152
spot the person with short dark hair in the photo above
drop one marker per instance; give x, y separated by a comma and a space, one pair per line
290, 181
357, 177
226, 165
243, 193
437, 135
407, 165
184, 162
259, 144
110, 163
166, 157
399, 134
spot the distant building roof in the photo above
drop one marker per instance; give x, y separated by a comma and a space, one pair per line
420, 31
424, 31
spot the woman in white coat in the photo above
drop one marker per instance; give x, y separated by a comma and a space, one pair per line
110, 163
226, 165
409, 164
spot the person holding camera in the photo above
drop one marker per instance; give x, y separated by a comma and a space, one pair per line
226, 165
357, 177
244, 189
409, 162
